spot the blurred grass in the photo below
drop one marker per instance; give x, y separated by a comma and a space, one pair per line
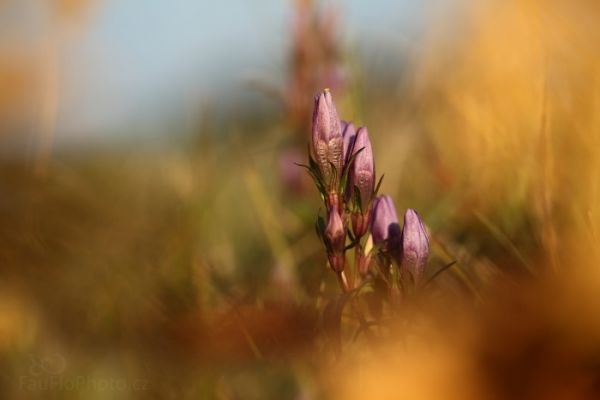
188, 267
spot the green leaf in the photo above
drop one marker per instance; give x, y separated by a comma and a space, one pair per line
445, 267
358, 199
378, 186
315, 176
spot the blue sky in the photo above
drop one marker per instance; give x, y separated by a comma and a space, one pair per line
135, 58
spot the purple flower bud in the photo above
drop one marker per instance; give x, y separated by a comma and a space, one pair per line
334, 231
348, 134
384, 226
337, 261
360, 223
335, 238
362, 171
327, 142
415, 245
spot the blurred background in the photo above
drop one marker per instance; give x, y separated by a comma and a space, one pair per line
157, 240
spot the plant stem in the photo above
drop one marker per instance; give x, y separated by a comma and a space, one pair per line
343, 281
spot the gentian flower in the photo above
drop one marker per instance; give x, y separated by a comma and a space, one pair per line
362, 170
327, 142
384, 225
415, 245
335, 240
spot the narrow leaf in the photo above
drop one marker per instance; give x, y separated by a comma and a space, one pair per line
378, 185
445, 267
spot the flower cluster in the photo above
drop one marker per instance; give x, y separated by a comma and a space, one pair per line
342, 166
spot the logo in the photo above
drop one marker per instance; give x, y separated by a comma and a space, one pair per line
50, 373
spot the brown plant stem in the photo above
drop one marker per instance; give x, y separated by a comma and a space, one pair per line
343, 281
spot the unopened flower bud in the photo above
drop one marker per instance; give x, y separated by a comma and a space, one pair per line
332, 201
327, 143
362, 171
384, 226
360, 223
337, 261
334, 231
335, 238
415, 245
